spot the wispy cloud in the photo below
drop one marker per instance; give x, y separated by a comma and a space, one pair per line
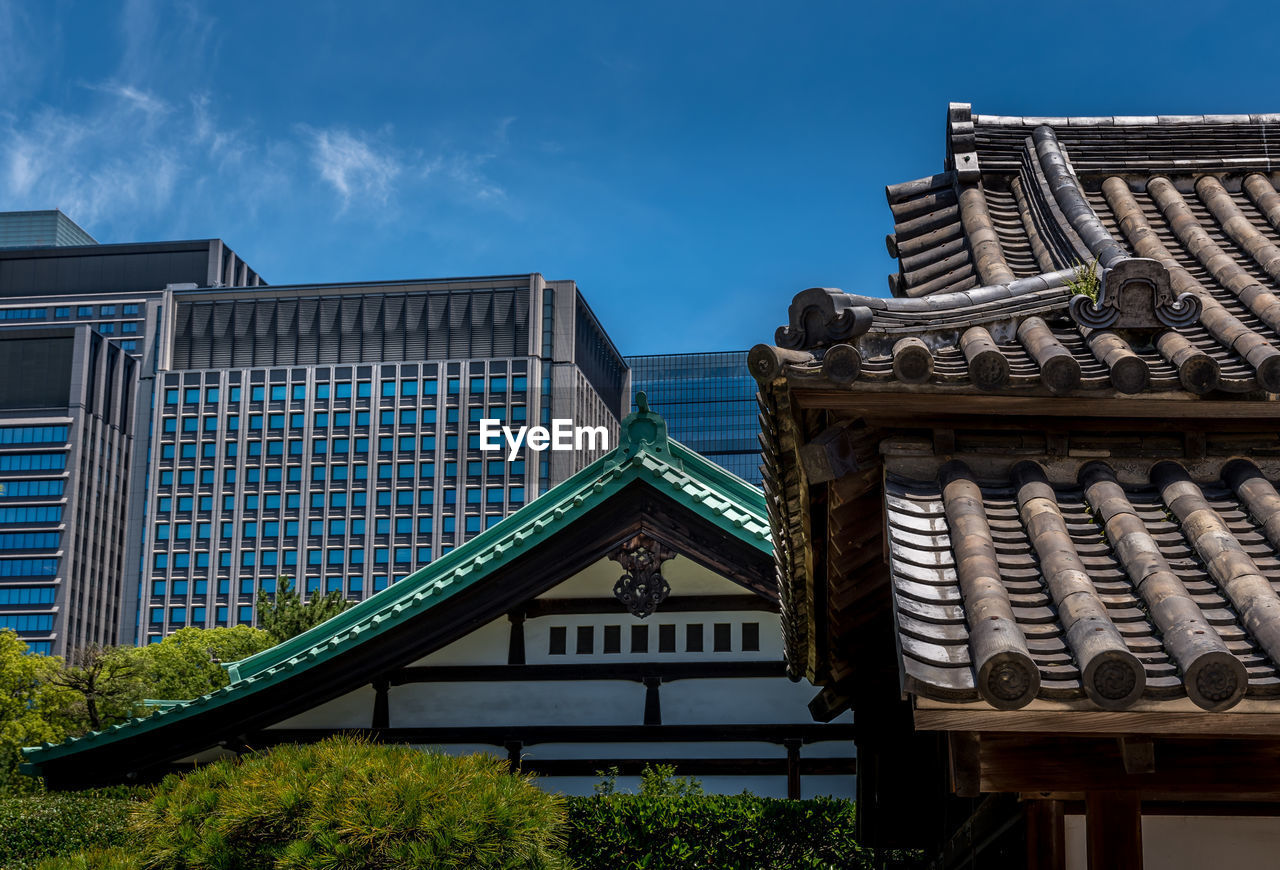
357, 168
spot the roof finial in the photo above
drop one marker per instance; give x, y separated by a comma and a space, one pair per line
642, 402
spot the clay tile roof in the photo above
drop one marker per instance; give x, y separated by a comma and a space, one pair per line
1013, 588
1178, 217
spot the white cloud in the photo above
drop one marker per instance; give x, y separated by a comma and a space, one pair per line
356, 168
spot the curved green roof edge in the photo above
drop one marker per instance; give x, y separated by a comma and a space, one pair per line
644, 452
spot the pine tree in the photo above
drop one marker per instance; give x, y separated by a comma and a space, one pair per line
286, 615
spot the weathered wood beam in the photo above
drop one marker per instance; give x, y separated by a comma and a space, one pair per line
1087, 722
531, 735
1113, 829
1046, 835
633, 671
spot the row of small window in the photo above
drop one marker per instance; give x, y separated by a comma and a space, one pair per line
45, 514
31, 488
249, 586
405, 472
65, 311
41, 623
271, 528
130, 328
342, 419
28, 567
33, 461
721, 639
29, 541
342, 390
342, 446
273, 558
27, 595
33, 434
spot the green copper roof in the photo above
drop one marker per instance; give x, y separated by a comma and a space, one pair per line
644, 453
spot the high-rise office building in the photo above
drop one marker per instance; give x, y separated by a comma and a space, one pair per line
709, 403
40, 229
78, 343
66, 450
331, 433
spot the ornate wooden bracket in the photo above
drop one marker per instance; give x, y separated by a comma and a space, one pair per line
1136, 294
642, 587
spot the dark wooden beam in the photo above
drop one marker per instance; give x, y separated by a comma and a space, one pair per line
1194, 767
530, 735
635, 671
793, 767
1046, 835
381, 705
1113, 829
515, 641
1099, 722
963, 747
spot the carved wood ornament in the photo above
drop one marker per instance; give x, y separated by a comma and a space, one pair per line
642, 587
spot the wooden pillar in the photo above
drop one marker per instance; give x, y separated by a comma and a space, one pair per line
514, 748
515, 648
793, 767
1113, 822
1046, 836
381, 705
652, 702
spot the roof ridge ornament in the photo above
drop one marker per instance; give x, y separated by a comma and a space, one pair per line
821, 317
962, 142
641, 588
643, 429
1135, 293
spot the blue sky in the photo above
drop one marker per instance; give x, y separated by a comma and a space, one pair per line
708, 159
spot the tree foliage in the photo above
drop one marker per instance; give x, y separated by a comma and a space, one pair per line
47, 698
26, 698
286, 614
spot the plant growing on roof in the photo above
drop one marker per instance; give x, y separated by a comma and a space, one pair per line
1086, 281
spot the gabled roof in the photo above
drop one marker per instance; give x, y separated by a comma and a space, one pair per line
1179, 215
303, 668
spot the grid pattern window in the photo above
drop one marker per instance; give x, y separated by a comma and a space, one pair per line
709, 403
340, 478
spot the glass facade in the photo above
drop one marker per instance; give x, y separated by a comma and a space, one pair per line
709, 403
347, 477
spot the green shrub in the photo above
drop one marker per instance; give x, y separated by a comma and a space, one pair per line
51, 825
115, 858
347, 803
682, 829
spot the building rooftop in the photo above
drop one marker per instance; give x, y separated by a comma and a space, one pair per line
1178, 218
40, 229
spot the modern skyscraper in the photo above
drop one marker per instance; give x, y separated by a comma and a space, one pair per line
709, 403
66, 450
78, 349
331, 433
40, 229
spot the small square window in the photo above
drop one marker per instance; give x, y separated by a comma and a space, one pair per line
693, 638
722, 637
612, 639
750, 637
586, 640
666, 638
639, 638
556, 647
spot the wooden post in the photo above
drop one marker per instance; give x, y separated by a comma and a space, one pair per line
793, 767
652, 701
1046, 836
1113, 821
381, 705
514, 748
515, 647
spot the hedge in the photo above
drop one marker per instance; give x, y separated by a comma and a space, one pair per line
47, 825
622, 831
346, 804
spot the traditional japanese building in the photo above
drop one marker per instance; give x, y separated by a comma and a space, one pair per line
627, 617
1026, 510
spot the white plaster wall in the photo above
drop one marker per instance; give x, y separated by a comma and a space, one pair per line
487, 645
352, 710
1192, 842
572, 702
738, 699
